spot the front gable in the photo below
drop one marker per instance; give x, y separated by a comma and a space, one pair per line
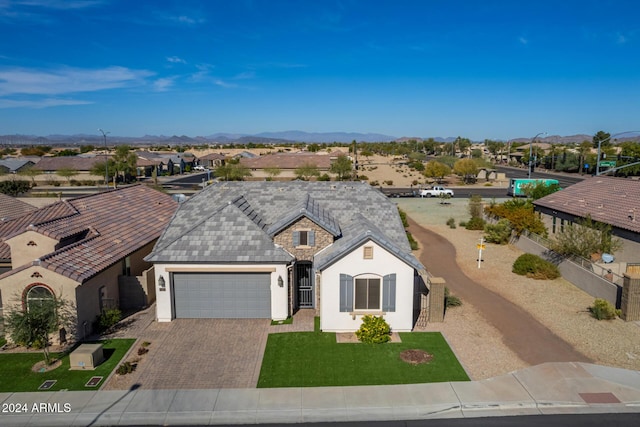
28, 246
303, 239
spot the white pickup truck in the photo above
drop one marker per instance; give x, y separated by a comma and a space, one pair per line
435, 192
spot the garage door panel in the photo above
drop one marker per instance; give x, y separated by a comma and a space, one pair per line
222, 295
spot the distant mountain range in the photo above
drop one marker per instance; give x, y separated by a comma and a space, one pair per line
238, 138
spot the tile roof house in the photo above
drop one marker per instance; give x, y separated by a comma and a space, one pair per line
289, 162
88, 250
10, 208
267, 249
15, 165
609, 200
81, 164
169, 163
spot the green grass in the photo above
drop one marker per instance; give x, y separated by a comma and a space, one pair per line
311, 359
16, 374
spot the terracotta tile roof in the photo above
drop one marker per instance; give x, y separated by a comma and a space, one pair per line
614, 201
289, 161
11, 208
213, 156
109, 226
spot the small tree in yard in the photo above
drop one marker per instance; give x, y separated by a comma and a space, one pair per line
342, 167
32, 326
585, 238
67, 173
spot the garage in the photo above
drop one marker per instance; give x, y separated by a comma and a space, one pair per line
222, 295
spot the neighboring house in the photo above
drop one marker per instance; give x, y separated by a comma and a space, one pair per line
288, 163
267, 249
15, 165
212, 160
88, 251
167, 163
609, 200
11, 208
83, 165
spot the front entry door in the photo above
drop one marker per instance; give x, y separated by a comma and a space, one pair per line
304, 283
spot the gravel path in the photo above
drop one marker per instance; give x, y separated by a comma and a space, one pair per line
557, 304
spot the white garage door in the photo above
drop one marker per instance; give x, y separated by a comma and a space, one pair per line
222, 295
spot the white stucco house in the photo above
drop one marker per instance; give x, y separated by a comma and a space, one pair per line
268, 249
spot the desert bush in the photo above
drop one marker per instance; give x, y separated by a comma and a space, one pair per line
603, 310
451, 300
324, 177
374, 183
389, 182
451, 223
499, 232
535, 267
374, 330
475, 223
125, 368
107, 319
142, 350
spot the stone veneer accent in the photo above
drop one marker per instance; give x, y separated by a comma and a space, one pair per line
303, 253
436, 299
630, 303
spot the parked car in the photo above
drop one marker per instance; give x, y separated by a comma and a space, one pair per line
435, 191
199, 168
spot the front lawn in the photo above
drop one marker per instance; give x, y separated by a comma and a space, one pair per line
16, 374
312, 359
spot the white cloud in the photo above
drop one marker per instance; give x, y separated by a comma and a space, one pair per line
176, 60
163, 84
621, 39
40, 103
68, 80
245, 75
523, 40
224, 84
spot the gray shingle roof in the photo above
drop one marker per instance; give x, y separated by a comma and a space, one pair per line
311, 209
359, 231
229, 221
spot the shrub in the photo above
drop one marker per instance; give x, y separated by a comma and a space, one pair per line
374, 183
603, 310
389, 182
374, 330
125, 368
475, 223
535, 267
107, 319
142, 350
146, 344
363, 178
451, 300
499, 233
412, 242
463, 224
324, 177
451, 223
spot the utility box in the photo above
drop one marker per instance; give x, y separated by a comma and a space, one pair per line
86, 356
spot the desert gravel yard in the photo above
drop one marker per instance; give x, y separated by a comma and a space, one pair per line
557, 304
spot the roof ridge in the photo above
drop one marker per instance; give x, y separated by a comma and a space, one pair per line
196, 224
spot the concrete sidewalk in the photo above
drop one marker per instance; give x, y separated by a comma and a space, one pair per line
551, 388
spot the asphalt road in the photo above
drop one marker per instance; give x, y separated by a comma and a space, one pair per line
572, 420
565, 180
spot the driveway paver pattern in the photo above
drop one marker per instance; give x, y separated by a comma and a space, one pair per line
199, 353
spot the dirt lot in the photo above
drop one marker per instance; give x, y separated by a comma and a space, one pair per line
557, 304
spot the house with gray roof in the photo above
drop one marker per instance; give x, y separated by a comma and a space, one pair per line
267, 249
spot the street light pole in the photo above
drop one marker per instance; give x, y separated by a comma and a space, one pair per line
605, 140
531, 151
106, 159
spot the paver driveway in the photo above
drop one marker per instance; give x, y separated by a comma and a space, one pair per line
199, 353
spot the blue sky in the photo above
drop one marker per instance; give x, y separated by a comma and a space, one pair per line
477, 69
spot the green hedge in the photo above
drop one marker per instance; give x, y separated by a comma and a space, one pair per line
535, 267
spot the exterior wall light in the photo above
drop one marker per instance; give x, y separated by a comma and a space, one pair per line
280, 282
162, 284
